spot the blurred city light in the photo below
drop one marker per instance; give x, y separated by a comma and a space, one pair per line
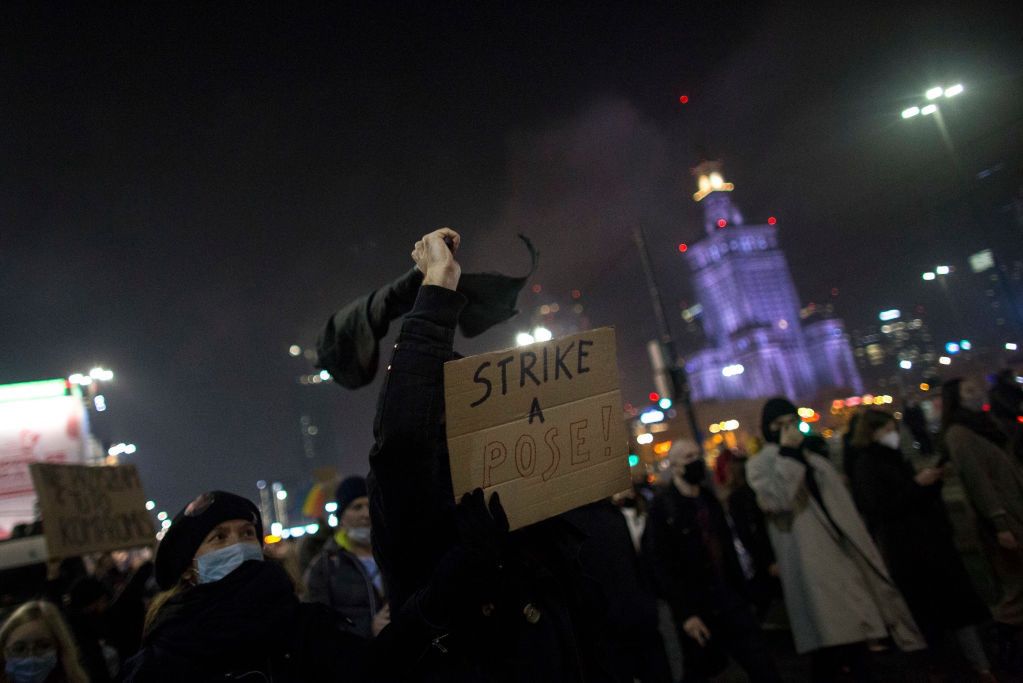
651, 416
929, 109
892, 314
945, 360
654, 396
732, 370
282, 494
1011, 346
906, 364
910, 113
929, 276
954, 90
100, 402
330, 507
633, 460
965, 345
803, 427
951, 348
644, 439
683, 247
161, 516
772, 220
332, 520
101, 375
542, 334
935, 92
664, 403
942, 270
324, 375
150, 505
524, 338
295, 350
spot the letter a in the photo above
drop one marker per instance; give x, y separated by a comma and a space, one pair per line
535, 411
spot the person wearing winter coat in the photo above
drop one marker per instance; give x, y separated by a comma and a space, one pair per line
993, 481
345, 575
228, 614
697, 572
541, 618
905, 514
836, 587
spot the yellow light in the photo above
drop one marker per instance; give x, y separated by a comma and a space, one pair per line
868, 399
805, 412
714, 429
271, 538
716, 181
662, 447
888, 399
924, 386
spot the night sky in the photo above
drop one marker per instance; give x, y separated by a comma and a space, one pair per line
185, 193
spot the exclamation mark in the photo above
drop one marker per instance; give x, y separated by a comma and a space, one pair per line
605, 421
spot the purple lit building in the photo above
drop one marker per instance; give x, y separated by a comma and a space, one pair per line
760, 346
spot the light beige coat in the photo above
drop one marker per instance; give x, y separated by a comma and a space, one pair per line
837, 589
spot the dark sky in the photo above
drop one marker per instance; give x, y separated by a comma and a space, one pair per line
187, 192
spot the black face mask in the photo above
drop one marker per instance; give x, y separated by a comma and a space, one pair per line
695, 472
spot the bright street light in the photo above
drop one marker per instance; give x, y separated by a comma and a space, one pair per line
935, 92
929, 276
942, 270
929, 109
542, 334
906, 365
524, 339
1011, 346
945, 360
954, 90
910, 113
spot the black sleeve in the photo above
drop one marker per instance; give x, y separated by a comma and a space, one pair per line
411, 499
662, 550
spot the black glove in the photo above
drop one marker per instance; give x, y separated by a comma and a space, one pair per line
469, 574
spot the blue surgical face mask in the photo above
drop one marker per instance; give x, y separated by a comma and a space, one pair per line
215, 565
359, 534
31, 669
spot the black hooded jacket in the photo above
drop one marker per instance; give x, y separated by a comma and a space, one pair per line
539, 621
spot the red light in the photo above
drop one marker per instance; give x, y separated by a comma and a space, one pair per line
772, 220
654, 396
684, 99
683, 247
1019, 418
537, 289
986, 408
576, 294
722, 222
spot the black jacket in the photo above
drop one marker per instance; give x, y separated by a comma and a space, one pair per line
686, 574
912, 530
337, 578
412, 507
249, 626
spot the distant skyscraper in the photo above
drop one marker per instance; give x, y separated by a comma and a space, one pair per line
751, 311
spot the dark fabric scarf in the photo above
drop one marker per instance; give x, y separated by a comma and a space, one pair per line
980, 424
221, 624
349, 345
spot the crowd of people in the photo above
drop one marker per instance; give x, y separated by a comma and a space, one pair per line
412, 586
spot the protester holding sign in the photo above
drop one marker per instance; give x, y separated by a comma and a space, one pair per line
542, 619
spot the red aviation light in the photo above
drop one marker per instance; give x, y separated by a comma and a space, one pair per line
772, 220
683, 247
722, 222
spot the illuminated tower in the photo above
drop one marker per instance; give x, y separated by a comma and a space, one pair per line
751, 311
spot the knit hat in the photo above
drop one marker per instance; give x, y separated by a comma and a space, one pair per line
348, 490
191, 526
773, 409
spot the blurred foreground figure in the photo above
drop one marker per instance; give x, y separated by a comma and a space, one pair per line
36, 646
698, 573
534, 616
906, 515
993, 480
836, 587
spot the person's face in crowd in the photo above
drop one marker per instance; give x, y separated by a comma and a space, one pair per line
356, 515
888, 435
228, 533
687, 452
972, 395
31, 639
787, 427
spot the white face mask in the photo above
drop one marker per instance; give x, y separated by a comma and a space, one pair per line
359, 534
891, 440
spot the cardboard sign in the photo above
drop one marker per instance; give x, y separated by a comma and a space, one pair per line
91, 509
541, 424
